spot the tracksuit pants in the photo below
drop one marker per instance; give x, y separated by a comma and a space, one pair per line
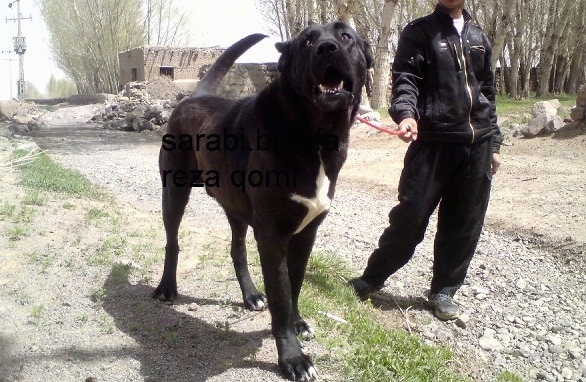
457, 178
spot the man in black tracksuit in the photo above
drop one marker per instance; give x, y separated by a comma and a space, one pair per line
443, 100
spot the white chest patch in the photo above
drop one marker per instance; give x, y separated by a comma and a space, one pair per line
319, 203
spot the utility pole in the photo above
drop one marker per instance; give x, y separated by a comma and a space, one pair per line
9, 59
19, 48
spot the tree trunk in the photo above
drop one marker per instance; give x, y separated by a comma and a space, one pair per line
345, 13
382, 66
576, 68
501, 30
556, 23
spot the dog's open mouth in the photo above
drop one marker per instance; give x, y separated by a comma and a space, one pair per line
333, 83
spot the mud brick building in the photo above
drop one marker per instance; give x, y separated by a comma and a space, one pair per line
149, 62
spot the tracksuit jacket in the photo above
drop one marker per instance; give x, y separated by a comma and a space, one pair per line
445, 83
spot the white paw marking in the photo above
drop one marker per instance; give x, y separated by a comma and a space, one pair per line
312, 374
319, 203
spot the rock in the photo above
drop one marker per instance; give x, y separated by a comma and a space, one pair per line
581, 100
536, 126
556, 349
193, 307
371, 116
139, 111
22, 119
572, 126
577, 113
555, 124
463, 320
555, 340
490, 343
18, 129
34, 124
143, 124
549, 108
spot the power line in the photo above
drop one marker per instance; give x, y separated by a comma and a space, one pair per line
9, 59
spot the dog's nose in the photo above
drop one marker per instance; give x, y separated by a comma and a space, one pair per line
326, 47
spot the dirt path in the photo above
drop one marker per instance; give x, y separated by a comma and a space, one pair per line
75, 321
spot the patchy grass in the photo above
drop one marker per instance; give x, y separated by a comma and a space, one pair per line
369, 350
17, 232
37, 313
34, 198
508, 377
43, 174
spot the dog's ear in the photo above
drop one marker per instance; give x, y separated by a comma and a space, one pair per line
367, 50
283, 48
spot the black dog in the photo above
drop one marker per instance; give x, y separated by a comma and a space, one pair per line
272, 162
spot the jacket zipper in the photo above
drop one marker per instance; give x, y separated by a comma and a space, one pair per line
468, 90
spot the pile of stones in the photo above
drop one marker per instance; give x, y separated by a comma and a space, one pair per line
140, 106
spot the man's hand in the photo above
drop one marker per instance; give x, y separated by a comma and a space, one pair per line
408, 129
496, 162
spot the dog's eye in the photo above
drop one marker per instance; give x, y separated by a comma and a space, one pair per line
308, 42
346, 36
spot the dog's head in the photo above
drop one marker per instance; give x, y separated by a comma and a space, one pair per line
326, 65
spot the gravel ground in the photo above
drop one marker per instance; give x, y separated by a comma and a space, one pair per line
524, 303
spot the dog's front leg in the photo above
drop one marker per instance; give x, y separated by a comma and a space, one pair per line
293, 363
300, 247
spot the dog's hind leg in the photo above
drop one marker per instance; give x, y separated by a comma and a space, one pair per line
298, 253
253, 299
175, 198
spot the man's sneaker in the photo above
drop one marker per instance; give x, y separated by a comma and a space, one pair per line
445, 307
363, 289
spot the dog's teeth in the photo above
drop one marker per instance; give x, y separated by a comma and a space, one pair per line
330, 90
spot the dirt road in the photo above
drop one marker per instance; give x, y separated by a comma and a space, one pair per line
66, 319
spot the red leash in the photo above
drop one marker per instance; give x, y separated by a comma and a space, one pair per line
378, 127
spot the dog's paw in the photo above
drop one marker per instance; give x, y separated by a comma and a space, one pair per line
303, 330
299, 368
257, 301
165, 293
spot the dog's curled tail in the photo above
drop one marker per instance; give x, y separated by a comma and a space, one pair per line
211, 80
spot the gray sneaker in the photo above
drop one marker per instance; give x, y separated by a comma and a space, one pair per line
445, 307
363, 289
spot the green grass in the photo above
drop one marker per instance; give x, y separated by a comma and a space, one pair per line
43, 174
506, 105
36, 313
95, 216
370, 351
383, 111
34, 198
508, 377
7, 210
17, 232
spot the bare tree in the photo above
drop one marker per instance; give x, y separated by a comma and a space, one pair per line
557, 19
525, 34
382, 66
86, 36
164, 23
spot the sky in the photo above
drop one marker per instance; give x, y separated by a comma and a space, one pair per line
212, 23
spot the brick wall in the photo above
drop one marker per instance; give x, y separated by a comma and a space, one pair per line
147, 63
